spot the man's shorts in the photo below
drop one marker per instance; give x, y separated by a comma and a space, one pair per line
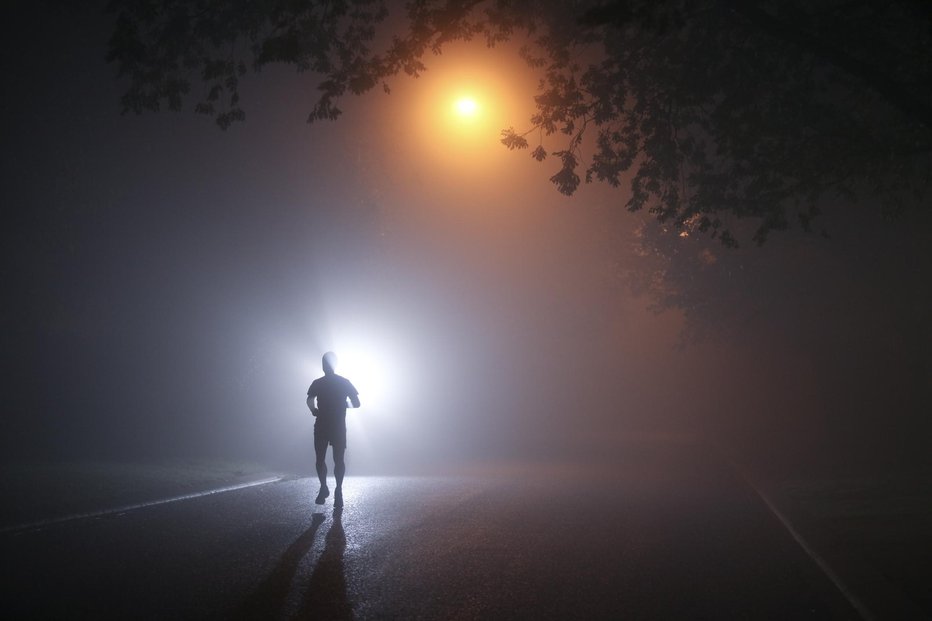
334, 435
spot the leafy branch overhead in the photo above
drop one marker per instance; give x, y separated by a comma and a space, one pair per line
709, 111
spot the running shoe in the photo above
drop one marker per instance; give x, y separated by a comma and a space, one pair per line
322, 495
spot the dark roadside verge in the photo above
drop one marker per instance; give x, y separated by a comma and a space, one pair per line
44, 492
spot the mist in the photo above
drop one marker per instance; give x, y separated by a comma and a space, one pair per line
171, 289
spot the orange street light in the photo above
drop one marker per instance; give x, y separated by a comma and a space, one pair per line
466, 107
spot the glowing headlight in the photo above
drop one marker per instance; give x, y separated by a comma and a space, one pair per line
374, 366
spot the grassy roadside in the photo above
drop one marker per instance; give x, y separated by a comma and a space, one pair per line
51, 490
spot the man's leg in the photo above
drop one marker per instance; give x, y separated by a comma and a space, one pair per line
322, 466
339, 465
320, 449
339, 470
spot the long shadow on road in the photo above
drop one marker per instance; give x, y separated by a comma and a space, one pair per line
325, 596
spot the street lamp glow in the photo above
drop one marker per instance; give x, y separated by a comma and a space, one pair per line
466, 107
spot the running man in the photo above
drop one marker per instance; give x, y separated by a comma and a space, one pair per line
331, 392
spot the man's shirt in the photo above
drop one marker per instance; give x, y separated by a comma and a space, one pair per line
331, 392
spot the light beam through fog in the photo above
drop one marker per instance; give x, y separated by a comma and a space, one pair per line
171, 288
177, 285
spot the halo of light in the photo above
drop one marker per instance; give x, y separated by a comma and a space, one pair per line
374, 365
365, 370
466, 106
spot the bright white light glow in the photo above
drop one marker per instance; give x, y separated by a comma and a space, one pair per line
367, 371
380, 358
467, 106
374, 366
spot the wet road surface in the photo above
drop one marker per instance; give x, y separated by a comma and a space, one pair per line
657, 535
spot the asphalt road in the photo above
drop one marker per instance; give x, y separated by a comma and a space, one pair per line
657, 535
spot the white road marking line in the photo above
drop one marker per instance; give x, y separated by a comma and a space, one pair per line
848, 594
95, 514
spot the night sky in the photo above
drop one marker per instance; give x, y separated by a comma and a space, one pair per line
170, 287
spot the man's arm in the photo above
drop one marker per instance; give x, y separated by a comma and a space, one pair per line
310, 405
351, 393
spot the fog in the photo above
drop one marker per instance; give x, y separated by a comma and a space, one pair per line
171, 288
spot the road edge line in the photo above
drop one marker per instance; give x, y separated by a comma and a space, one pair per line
817, 558
20, 528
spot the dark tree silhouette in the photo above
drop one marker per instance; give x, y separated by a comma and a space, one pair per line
710, 110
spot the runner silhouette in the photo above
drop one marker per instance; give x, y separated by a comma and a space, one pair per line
331, 393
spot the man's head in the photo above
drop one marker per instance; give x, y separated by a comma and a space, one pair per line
329, 363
